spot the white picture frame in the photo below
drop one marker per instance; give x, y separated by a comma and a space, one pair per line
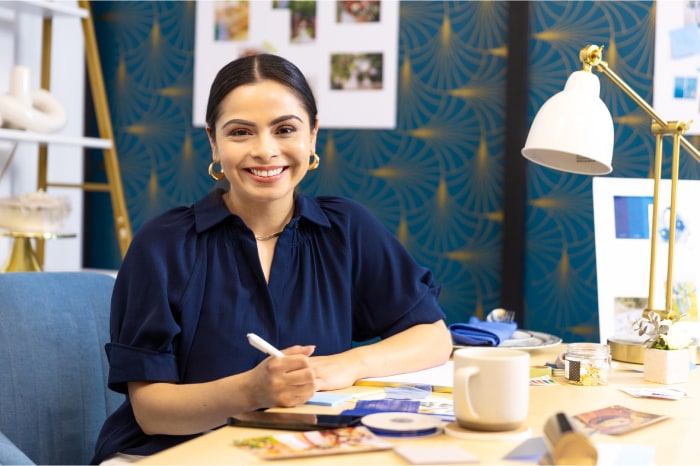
622, 209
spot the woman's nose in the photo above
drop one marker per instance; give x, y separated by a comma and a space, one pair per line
265, 147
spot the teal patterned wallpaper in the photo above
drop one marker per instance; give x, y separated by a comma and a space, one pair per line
560, 255
436, 180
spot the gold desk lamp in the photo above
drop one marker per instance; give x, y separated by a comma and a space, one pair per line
573, 132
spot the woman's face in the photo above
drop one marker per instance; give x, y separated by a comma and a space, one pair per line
263, 141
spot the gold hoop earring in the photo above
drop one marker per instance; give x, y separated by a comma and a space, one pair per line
216, 176
313, 165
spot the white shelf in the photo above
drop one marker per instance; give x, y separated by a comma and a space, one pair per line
49, 8
46, 8
15, 135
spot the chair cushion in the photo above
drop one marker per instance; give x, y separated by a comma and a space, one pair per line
53, 368
10, 454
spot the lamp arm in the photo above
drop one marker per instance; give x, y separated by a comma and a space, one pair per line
592, 56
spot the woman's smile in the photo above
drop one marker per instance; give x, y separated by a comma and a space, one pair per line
267, 175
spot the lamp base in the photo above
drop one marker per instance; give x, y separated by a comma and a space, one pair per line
625, 350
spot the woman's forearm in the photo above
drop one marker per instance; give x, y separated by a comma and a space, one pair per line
184, 409
417, 348
174, 409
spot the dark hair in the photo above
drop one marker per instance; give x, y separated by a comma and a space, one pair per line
255, 68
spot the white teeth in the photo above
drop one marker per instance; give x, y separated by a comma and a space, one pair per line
266, 173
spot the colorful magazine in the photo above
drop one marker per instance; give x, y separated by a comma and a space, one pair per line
314, 443
615, 420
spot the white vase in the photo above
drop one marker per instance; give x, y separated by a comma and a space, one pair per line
666, 366
26, 109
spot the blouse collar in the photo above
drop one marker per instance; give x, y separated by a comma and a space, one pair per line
211, 210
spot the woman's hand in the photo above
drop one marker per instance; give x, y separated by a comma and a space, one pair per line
334, 372
184, 409
284, 381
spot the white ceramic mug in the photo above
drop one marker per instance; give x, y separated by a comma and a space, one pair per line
491, 388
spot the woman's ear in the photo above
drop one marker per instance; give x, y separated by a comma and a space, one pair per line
314, 134
212, 140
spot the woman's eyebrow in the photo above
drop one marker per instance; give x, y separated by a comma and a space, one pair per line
282, 118
237, 121
241, 122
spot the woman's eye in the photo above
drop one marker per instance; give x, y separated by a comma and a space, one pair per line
286, 130
239, 132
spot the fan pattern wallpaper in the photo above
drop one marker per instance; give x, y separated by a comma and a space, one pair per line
436, 181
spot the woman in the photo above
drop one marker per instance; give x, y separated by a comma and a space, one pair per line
310, 276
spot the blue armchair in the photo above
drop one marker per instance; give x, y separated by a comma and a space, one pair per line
53, 369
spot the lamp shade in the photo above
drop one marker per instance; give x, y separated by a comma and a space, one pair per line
573, 131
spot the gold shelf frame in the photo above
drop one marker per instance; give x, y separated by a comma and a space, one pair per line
114, 185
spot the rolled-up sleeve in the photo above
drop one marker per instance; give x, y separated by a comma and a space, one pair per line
144, 322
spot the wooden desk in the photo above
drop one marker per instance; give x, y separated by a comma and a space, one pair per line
676, 440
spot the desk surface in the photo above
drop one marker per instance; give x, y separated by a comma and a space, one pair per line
675, 440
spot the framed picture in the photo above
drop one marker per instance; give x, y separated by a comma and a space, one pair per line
622, 215
348, 51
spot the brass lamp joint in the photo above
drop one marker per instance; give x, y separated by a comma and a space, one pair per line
671, 127
590, 56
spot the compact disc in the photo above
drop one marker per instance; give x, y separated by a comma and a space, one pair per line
400, 424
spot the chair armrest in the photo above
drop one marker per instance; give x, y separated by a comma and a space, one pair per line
10, 454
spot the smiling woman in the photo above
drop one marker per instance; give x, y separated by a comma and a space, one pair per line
262, 154
259, 257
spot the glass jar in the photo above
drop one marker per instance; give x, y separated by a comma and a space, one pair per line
587, 364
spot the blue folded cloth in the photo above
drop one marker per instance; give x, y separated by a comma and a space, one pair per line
481, 333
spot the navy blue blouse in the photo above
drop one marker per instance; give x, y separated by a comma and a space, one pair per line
191, 287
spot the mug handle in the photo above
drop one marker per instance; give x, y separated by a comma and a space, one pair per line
461, 381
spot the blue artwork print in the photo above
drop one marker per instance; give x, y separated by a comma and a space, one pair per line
685, 88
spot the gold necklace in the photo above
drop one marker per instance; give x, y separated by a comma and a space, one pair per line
269, 237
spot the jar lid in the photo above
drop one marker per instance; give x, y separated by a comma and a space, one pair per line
591, 349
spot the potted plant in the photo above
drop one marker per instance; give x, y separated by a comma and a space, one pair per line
666, 355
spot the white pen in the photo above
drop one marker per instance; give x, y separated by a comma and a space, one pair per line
257, 342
